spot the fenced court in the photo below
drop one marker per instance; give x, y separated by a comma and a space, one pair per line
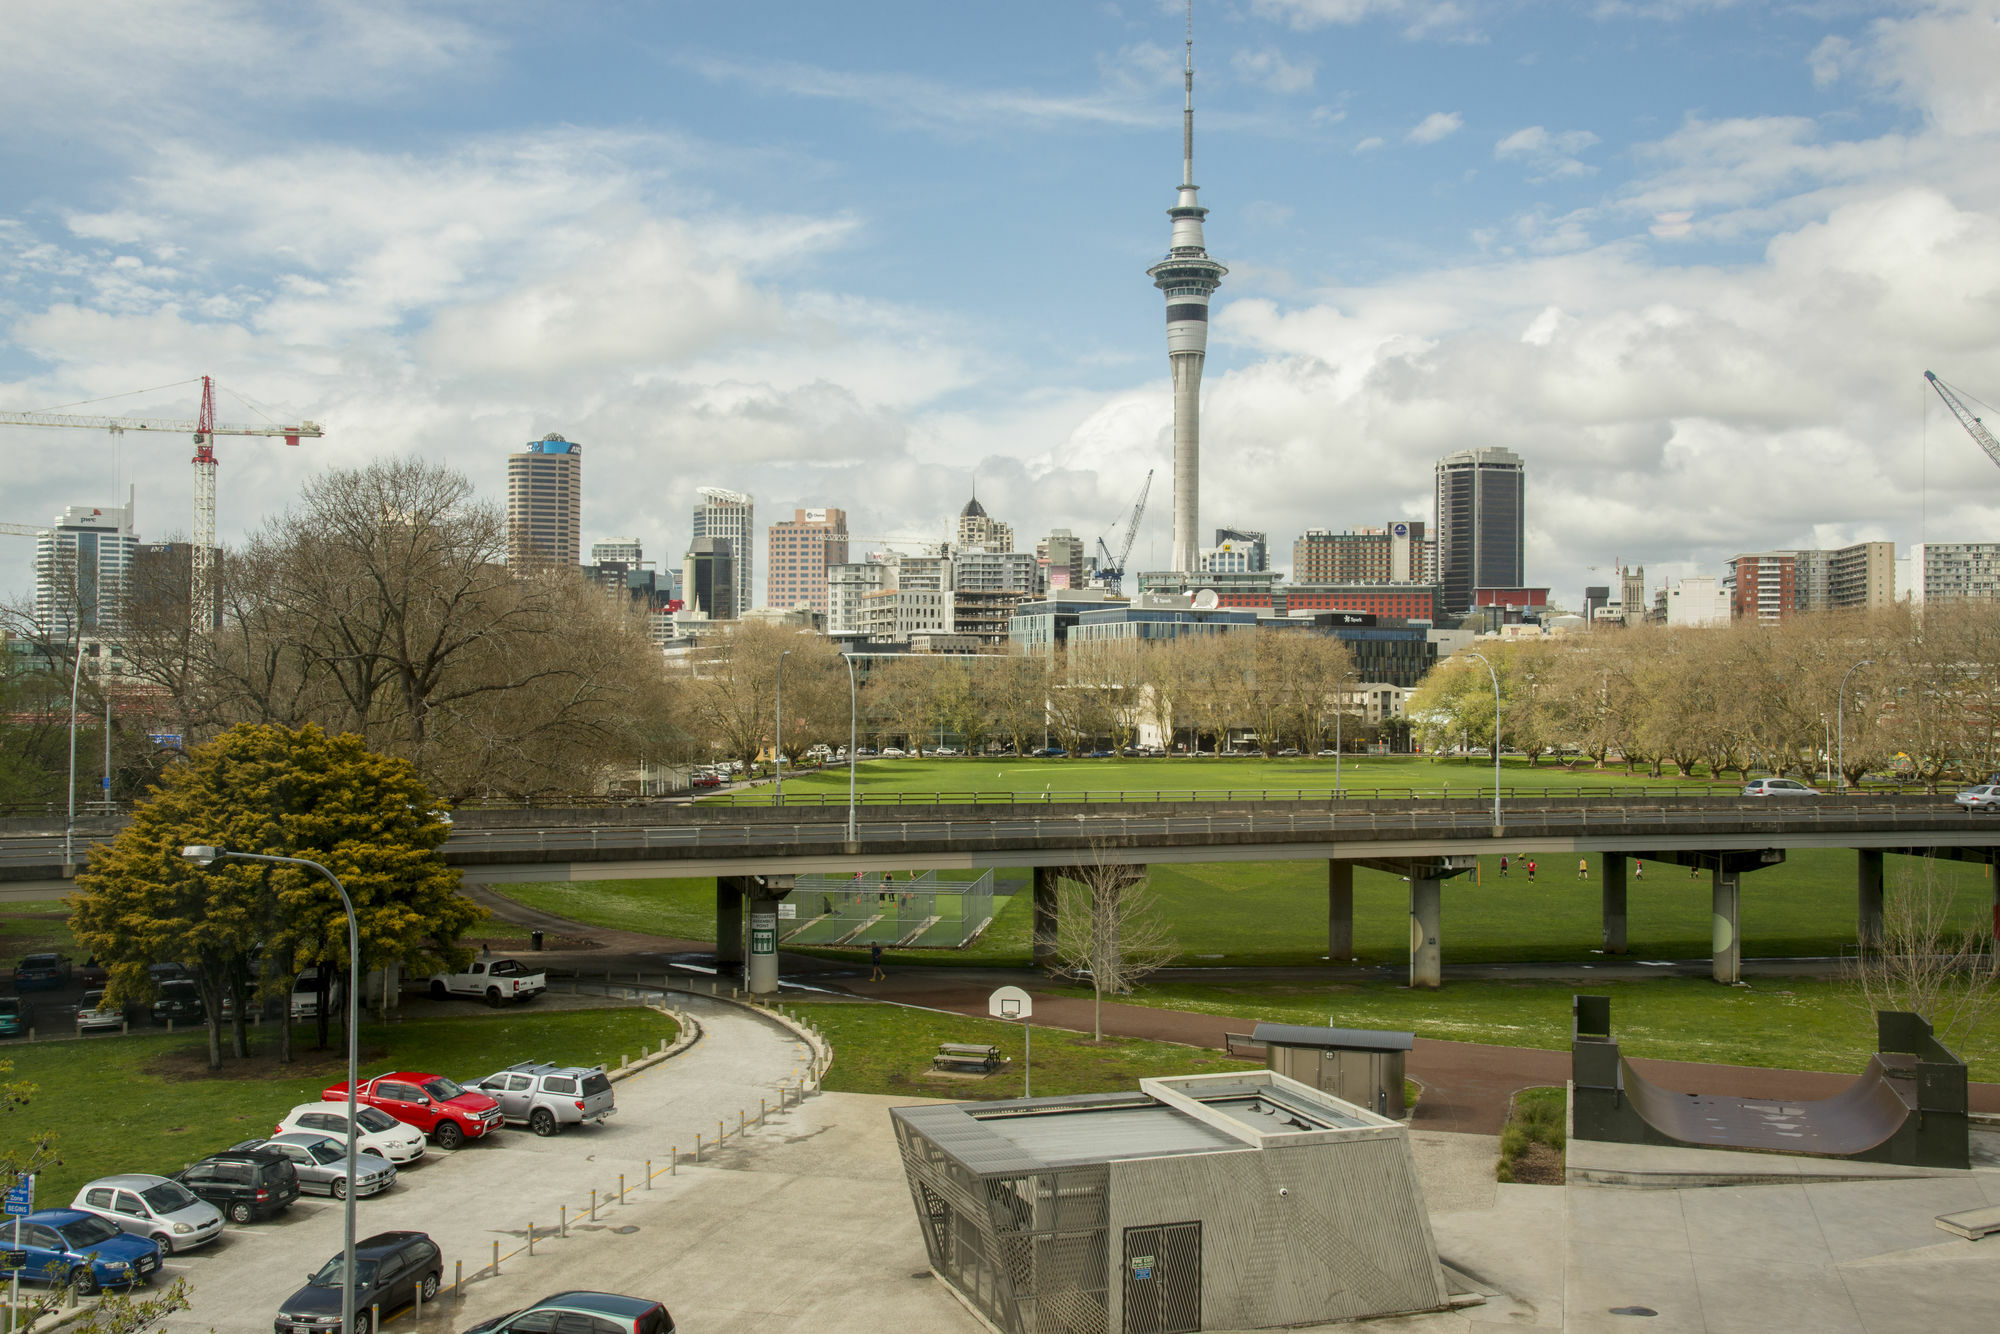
920, 913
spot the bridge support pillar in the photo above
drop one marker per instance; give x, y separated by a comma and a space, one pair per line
1339, 912
1726, 963
1042, 949
1426, 930
764, 895
1868, 894
1614, 902
729, 892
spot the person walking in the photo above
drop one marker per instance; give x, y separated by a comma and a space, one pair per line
875, 973
1503, 867
1583, 868
1638, 869
1531, 870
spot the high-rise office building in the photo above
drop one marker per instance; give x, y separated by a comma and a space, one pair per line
708, 579
1861, 577
1947, 570
545, 503
1393, 553
82, 566
1254, 546
1063, 553
729, 516
977, 528
1768, 586
1188, 278
801, 550
624, 550
1481, 524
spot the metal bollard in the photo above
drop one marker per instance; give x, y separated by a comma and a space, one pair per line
762, 1107
375, 1315
623, 1060
720, 1133
593, 1204
562, 1224
674, 1162
621, 1188
458, 1279
649, 1174
741, 1121
496, 1259
531, 1237
697, 1148
418, 1298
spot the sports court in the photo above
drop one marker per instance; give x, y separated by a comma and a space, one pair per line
920, 912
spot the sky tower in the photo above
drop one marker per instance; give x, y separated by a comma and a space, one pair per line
1188, 277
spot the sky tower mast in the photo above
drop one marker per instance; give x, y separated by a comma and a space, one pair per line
1188, 277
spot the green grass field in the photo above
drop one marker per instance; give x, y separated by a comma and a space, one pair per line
1262, 914
147, 1103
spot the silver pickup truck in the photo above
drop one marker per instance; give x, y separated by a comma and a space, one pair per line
545, 1098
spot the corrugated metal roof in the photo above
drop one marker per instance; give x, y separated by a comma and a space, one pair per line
1344, 1039
1066, 1137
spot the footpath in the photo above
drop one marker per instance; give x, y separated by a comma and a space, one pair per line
1467, 1086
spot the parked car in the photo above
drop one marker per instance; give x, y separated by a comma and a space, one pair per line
433, 1104
93, 1015
1984, 797
1049, 752
390, 1270
380, 1132
605, 1313
1288, 752
245, 1184
705, 780
496, 980
42, 972
74, 1248
545, 1098
149, 1206
90, 973
16, 1016
321, 1162
892, 752
179, 1001
1779, 787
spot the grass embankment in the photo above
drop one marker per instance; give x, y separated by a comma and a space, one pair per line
148, 1103
1534, 1140
1264, 914
888, 1049
32, 926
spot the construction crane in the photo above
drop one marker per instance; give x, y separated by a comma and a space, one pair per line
1111, 569
18, 530
1973, 426
204, 430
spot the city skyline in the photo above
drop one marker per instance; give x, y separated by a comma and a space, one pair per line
1668, 283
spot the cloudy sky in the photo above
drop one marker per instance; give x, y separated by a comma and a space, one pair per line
1688, 257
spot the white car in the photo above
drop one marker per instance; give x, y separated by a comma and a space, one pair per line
150, 1206
381, 1133
892, 752
93, 1015
1779, 787
1985, 797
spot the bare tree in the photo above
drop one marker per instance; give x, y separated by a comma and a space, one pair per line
1933, 959
1109, 930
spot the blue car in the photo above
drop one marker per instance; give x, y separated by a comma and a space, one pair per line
68, 1246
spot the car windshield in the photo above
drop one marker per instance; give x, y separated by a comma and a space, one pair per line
8, 1005
167, 1197
38, 961
325, 1151
507, 968
88, 1232
442, 1089
375, 1119
93, 1000
329, 1274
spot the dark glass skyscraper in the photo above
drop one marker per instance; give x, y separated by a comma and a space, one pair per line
1481, 524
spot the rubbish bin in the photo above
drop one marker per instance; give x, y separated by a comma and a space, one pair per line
535, 940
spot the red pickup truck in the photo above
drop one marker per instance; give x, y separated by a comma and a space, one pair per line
433, 1104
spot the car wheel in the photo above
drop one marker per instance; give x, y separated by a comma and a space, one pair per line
544, 1123
437, 991
83, 1280
449, 1136
493, 996
430, 1286
338, 1188
164, 1242
361, 1322
241, 1212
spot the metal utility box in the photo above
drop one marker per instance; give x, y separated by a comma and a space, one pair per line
1363, 1066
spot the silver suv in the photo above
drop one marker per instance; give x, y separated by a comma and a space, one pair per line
545, 1098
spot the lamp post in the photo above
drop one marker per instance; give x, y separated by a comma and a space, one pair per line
853, 713
1339, 708
778, 746
1496, 732
69, 825
1840, 716
208, 856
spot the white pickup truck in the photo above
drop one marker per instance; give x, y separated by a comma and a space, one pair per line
497, 980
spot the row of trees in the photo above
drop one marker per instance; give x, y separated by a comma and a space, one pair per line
380, 605
1913, 690
1283, 687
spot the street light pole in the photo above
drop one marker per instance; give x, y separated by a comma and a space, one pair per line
1840, 715
1339, 708
69, 825
853, 713
1496, 732
206, 856
778, 746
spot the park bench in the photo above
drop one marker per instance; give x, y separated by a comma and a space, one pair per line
967, 1057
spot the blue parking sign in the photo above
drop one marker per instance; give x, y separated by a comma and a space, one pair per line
21, 1199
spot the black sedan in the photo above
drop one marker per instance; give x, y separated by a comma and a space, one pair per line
390, 1270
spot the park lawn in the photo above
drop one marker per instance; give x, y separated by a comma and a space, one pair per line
1139, 779
32, 926
888, 1048
1267, 914
1796, 1023
147, 1102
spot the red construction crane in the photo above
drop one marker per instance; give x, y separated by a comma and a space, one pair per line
204, 430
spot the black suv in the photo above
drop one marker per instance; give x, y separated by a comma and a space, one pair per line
390, 1269
180, 1000
246, 1184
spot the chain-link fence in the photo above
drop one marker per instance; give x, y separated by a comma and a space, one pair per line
915, 912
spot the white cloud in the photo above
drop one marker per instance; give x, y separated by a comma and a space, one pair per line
1438, 125
1369, 145
1451, 19
1831, 60
1548, 156
1273, 69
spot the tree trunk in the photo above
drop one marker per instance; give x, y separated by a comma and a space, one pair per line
323, 989
1097, 1009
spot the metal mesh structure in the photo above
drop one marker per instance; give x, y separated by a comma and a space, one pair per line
920, 912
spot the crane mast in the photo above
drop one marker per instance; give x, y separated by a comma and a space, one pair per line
1111, 569
1973, 426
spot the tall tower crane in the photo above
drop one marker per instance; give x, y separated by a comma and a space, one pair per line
1111, 569
1973, 426
204, 430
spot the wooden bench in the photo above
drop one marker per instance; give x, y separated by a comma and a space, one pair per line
967, 1057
